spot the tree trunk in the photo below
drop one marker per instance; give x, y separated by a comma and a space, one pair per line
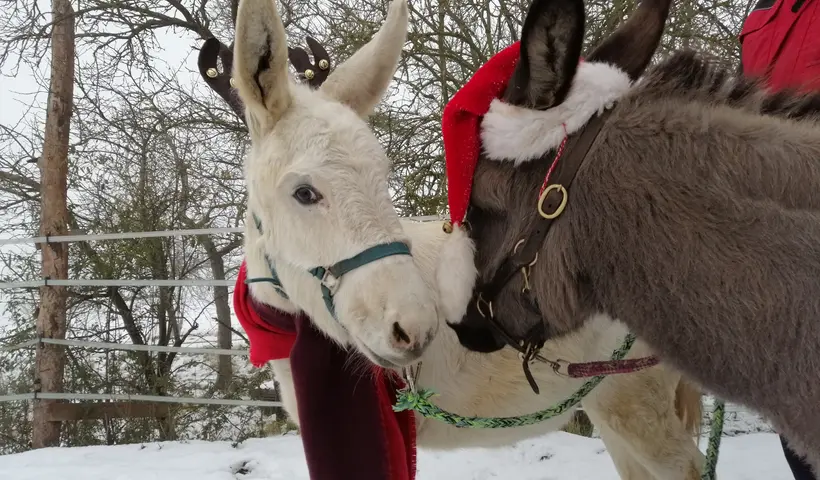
224, 371
51, 319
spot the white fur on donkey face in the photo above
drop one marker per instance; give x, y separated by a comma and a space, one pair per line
317, 179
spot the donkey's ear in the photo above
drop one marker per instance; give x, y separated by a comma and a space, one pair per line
361, 81
632, 45
260, 67
551, 43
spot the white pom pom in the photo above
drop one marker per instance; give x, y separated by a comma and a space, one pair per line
456, 274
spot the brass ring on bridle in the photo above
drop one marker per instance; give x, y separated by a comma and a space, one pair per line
560, 208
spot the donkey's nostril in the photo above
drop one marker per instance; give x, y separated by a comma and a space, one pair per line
399, 334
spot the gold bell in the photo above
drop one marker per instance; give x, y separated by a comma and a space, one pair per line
233, 83
447, 227
309, 74
324, 64
211, 72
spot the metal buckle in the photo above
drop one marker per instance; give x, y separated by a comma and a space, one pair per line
411, 374
515, 250
530, 352
560, 208
525, 271
527, 356
531, 360
329, 281
489, 305
558, 364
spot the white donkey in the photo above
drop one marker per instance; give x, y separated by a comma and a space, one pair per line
317, 185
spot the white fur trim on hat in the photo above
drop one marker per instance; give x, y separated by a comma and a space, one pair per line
456, 274
509, 132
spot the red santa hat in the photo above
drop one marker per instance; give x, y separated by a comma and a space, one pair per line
461, 131
461, 126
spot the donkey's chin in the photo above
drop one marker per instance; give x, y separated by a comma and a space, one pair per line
390, 361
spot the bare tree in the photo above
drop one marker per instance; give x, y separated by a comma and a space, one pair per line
51, 321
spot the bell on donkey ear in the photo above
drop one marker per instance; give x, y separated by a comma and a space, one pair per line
314, 72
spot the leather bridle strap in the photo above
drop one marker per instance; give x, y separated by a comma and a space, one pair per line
550, 205
565, 173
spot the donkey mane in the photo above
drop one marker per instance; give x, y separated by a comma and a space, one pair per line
696, 77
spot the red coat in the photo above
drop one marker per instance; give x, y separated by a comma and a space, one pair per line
780, 40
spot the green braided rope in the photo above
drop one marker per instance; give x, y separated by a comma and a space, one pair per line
716, 431
420, 402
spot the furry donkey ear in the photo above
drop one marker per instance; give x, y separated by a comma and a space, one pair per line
632, 45
361, 81
260, 67
551, 43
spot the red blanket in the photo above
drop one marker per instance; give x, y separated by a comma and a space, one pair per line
348, 427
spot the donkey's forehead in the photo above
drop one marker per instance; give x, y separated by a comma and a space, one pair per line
318, 132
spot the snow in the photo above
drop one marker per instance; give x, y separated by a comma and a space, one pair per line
557, 456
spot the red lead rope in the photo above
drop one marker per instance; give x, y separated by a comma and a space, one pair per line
610, 367
558, 155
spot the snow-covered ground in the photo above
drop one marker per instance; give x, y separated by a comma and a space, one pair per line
558, 456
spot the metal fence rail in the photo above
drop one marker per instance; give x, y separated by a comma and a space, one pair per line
103, 282
137, 398
152, 234
30, 396
731, 408
125, 346
125, 236
117, 236
128, 397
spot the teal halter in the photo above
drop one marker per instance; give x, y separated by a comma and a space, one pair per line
331, 276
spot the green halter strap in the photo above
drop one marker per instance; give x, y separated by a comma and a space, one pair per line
331, 276
274, 277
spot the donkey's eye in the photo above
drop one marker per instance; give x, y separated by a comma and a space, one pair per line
306, 195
